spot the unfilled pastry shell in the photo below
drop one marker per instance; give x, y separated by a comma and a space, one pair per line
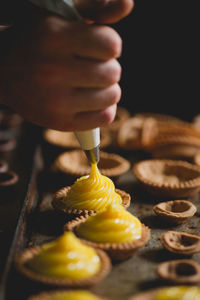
168, 178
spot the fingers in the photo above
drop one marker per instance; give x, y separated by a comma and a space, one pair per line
61, 38
77, 73
88, 120
104, 11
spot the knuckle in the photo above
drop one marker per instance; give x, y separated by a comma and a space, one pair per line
114, 94
113, 73
108, 115
114, 43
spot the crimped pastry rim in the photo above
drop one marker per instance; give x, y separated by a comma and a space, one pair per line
122, 167
27, 254
163, 267
187, 184
188, 250
71, 226
56, 202
176, 215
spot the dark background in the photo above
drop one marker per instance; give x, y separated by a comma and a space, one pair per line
160, 59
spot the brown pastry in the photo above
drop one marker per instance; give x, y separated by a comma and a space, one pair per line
130, 234
50, 263
181, 242
58, 203
3, 166
137, 133
176, 211
168, 178
175, 147
182, 271
8, 179
196, 158
76, 164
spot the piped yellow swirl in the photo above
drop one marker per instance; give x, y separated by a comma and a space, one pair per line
113, 225
66, 257
179, 293
92, 192
73, 295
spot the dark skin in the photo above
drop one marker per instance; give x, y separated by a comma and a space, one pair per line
64, 75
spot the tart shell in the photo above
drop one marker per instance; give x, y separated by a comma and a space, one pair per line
58, 204
168, 178
21, 260
117, 252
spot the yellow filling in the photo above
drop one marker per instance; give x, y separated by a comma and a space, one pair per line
179, 293
74, 295
114, 225
66, 257
92, 192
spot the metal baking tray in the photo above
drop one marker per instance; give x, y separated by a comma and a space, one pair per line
39, 223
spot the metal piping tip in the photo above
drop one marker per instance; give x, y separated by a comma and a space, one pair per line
93, 155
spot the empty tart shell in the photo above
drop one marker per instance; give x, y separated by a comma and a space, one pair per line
75, 163
67, 140
196, 158
3, 166
181, 242
117, 252
58, 203
49, 295
175, 147
137, 133
168, 178
183, 271
21, 265
175, 211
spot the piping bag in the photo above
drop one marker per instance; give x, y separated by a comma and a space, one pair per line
89, 140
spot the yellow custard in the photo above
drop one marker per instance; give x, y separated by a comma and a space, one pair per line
73, 295
92, 192
179, 293
66, 257
114, 225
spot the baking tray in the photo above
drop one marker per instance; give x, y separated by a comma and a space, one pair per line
39, 223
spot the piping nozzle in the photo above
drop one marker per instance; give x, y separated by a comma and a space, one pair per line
89, 141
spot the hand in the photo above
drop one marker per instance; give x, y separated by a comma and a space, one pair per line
62, 75
104, 11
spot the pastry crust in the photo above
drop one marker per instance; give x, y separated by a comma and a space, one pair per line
21, 260
58, 204
168, 178
116, 251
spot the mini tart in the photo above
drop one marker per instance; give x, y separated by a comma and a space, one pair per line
176, 211
175, 147
181, 242
168, 178
157, 293
196, 158
53, 295
21, 262
137, 133
116, 251
59, 205
183, 271
75, 163
66, 140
